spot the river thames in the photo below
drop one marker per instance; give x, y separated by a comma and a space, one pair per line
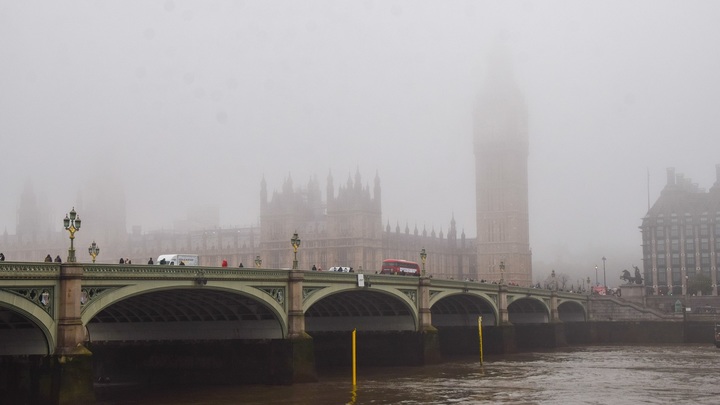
619, 374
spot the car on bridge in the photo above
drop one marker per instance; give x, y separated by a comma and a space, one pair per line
341, 269
179, 259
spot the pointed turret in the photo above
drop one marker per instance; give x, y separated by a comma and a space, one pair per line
358, 180
452, 232
288, 185
376, 190
330, 189
263, 194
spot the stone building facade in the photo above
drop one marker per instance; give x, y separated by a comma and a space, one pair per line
346, 230
681, 238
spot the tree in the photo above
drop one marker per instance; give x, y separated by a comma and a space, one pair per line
563, 280
558, 282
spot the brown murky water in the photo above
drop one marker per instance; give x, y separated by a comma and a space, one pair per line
678, 374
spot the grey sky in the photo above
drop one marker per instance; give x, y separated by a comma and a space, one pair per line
194, 102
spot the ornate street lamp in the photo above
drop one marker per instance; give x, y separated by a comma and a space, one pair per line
554, 282
604, 279
588, 281
93, 250
295, 244
258, 262
502, 272
596, 278
72, 225
423, 257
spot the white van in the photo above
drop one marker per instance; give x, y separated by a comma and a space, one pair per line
179, 260
341, 269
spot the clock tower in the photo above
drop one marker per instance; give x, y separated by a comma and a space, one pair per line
501, 178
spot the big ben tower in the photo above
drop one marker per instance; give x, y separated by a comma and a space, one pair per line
501, 178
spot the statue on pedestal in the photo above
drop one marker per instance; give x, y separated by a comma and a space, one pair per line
637, 279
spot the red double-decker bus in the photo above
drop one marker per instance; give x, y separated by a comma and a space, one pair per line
400, 267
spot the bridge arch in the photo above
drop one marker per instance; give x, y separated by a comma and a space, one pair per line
528, 310
572, 311
342, 308
27, 329
176, 311
463, 309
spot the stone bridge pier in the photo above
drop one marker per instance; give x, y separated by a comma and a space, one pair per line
69, 369
302, 354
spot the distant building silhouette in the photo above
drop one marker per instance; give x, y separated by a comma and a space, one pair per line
501, 177
681, 236
34, 234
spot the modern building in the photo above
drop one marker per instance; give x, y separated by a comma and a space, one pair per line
681, 238
501, 176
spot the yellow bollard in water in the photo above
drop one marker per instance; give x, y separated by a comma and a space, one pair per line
481, 342
354, 358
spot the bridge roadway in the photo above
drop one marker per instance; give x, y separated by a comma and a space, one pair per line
49, 308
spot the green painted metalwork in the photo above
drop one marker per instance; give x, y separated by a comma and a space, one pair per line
91, 293
412, 294
278, 294
306, 292
42, 296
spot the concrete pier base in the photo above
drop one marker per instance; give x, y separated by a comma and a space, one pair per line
302, 359
430, 345
72, 379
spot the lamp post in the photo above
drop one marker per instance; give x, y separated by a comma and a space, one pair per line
423, 257
596, 279
72, 225
258, 262
554, 282
93, 250
588, 283
295, 244
502, 272
604, 280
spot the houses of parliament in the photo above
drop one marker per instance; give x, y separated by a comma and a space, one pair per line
343, 229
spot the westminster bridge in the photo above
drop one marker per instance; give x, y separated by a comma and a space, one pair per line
236, 325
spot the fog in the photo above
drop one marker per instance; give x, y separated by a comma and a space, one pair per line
181, 104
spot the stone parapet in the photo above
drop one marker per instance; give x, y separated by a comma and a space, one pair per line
617, 309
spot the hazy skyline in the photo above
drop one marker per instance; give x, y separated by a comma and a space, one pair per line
193, 103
